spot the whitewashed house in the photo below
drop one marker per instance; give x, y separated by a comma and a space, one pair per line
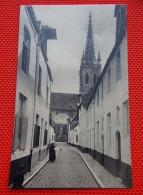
34, 79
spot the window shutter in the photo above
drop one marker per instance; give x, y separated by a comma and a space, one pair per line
24, 129
37, 137
24, 57
34, 140
16, 130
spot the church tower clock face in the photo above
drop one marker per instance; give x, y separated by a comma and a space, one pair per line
90, 68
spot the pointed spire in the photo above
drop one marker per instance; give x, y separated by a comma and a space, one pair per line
89, 52
83, 58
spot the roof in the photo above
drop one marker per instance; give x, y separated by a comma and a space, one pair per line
64, 101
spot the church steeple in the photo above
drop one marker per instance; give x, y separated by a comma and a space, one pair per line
89, 52
90, 68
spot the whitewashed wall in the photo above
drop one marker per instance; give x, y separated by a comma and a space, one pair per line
25, 83
89, 135
40, 107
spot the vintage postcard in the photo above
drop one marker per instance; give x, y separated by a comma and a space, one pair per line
71, 127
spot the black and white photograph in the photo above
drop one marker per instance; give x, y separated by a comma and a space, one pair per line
71, 125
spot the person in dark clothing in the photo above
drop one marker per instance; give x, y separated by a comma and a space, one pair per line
19, 178
52, 156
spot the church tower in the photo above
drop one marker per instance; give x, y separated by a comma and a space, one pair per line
90, 68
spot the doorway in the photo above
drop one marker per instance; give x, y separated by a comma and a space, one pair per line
118, 144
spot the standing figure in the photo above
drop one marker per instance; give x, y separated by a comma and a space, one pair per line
52, 156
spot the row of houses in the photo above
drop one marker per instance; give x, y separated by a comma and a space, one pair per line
101, 124
32, 130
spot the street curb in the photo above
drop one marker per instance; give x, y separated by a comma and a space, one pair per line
96, 178
33, 175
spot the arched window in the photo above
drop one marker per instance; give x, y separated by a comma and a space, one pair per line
86, 78
94, 79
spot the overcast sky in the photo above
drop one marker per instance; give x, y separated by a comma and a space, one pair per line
71, 24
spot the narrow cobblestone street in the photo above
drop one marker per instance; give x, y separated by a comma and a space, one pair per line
68, 171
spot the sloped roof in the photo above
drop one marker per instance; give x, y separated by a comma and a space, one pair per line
64, 101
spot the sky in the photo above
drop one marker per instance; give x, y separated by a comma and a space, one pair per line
71, 24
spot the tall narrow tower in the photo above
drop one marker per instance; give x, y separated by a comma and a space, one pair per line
90, 68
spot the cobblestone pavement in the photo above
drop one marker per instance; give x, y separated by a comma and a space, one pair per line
68, 171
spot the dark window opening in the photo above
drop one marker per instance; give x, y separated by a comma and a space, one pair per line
87, 79
36, 133
76, 137
94, 79
45, 137
47, 93
26, 51
39, 81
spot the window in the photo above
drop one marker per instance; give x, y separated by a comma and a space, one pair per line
47, 93
21, 125
94, 79
126, 117
118, 112
98, 97
36, 133
22, 101
26, 51
87, 79
90, 114
76, 137
102, 90
97, 132
45, 137
109, 129
39, 81
118, 65
64, 129
45, 125
102, 123
109, 80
